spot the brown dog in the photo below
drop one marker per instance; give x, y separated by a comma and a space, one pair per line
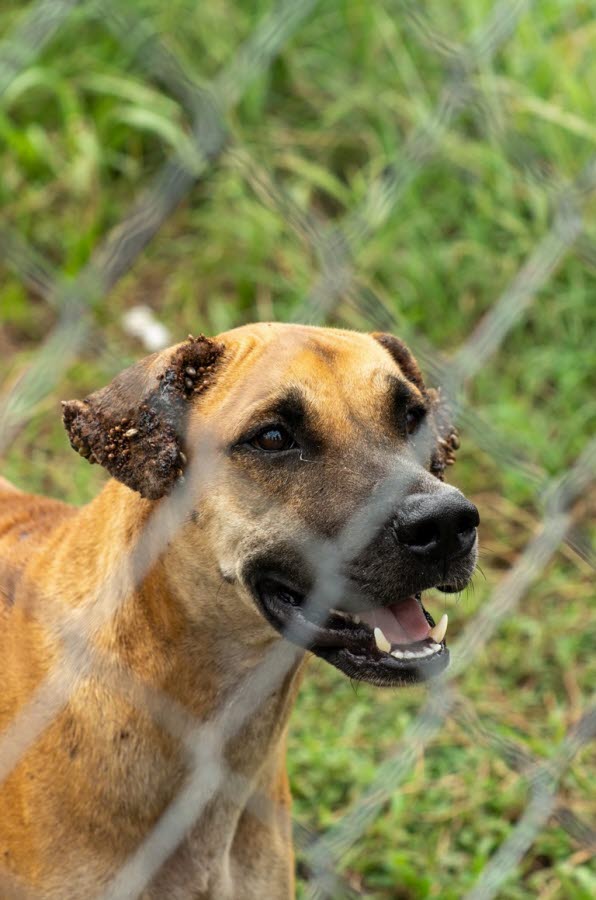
279, 479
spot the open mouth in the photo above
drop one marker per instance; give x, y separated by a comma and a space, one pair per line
398, 644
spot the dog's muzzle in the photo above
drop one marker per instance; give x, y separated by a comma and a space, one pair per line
376, 632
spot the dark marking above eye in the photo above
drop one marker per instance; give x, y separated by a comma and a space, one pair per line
289, 411
290, 407
406, 406
401, 393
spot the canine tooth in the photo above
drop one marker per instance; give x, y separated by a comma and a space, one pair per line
438, 632
435, 647
381, 641
399, 654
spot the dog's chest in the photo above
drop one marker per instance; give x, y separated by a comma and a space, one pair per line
228, 856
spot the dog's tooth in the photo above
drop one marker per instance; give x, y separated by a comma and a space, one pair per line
438, 632
408, 654
381, 641
399, 654
357, 619
435, 648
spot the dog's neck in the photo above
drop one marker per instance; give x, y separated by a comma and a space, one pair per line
163, 607
173, 636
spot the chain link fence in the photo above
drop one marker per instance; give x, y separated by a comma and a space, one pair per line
336, 248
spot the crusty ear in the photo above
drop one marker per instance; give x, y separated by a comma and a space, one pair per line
447, 438
135, 427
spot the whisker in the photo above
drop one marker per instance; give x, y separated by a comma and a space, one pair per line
481, 570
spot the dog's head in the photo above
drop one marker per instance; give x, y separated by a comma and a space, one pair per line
322, 502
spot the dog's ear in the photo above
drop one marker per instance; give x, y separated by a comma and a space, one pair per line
447, 437
135, 427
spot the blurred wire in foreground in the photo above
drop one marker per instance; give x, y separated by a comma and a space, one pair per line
336, 250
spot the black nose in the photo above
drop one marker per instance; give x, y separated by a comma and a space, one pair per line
437, 526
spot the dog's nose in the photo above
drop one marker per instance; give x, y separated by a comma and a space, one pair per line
437, 526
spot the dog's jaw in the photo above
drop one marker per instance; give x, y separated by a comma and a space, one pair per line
392, 646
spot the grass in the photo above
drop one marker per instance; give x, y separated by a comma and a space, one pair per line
82, 130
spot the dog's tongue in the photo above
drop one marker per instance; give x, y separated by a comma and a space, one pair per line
402, 623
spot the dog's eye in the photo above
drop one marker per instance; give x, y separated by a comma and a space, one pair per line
273, 439
414, 417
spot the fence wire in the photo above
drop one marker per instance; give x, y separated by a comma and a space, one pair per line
211, 138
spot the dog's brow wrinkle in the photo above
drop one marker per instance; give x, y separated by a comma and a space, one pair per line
323, 351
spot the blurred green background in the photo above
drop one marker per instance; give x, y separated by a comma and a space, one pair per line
84, 126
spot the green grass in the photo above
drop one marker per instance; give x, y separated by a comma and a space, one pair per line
83, 129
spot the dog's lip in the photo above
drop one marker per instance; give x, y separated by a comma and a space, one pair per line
347, 641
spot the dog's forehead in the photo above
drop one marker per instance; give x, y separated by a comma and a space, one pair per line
339, 375
308, 354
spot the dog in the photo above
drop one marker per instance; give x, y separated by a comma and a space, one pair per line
275, 490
